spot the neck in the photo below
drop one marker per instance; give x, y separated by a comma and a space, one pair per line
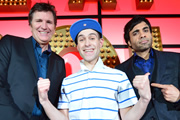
145, 54
44, 47
90, 64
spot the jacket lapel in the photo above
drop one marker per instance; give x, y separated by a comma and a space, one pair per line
30, 52
50, 67
130, 70
160, 65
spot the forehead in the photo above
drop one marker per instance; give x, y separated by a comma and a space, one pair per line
139, 26
87, 32
43, 15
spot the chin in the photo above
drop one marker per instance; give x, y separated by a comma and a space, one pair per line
145, 49
45, 40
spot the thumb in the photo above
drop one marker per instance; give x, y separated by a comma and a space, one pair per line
147, 74
40, 78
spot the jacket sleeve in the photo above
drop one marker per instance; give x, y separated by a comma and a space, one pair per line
8, 108
177, 104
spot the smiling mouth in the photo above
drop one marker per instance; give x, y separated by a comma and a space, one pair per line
43, 33
88, 50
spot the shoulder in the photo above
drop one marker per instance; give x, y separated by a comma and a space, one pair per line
166, 54
11, 37
125, 63
56, 57
113, 74
113, 71
7, 39
74, 75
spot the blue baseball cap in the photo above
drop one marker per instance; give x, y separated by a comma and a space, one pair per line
84, 24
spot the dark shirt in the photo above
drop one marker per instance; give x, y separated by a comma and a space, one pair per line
42, 65
145, 65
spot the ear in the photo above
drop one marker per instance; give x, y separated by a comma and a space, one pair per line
77, 46
101, 42
30, 27
129, 43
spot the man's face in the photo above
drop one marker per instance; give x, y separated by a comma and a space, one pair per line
140, 37
42, 27
89, 44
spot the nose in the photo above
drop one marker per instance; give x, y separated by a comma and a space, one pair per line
142, 34
44, 25
87, 42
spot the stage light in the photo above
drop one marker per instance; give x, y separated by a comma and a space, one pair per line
15, 5
144, 4
76, 4
108, 4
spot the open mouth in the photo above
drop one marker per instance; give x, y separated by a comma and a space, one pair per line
43, 32
88, 50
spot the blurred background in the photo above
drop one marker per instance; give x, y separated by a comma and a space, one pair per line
111, 14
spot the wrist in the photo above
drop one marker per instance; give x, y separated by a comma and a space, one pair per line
146, 99
178, 100
44, 102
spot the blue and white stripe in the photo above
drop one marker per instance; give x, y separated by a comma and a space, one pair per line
97, 94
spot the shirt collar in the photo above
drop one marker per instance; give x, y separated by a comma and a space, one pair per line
151, 55
98, 65
37, 46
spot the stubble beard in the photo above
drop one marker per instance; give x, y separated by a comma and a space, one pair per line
144, 47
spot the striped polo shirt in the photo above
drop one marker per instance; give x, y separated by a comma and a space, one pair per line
96, 94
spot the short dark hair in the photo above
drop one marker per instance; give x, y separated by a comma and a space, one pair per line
133, 22
42, 7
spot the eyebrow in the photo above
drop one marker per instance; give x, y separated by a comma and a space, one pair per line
135, 31
93, 34
88, 35
138, 29
79, 35
146, 28
37, 19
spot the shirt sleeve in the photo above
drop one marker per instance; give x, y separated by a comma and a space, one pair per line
125, 96
63, 100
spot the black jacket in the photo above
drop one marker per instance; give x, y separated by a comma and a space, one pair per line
18, 78
166, 71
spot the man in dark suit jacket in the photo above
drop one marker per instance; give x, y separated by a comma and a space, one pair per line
164, 69
24, 61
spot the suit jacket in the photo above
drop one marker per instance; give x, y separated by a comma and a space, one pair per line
166, 71
18, 78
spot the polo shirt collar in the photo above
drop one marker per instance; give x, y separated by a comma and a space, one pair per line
98, 65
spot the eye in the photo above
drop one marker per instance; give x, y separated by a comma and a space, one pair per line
146, 30
134, 33
50, 22
80, 39
38, 20
92, 37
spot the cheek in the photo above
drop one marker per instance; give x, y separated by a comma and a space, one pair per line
53, 31
135, 40
78, 47
133, 43
31, 28
52, 27
150, 36
100, 46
